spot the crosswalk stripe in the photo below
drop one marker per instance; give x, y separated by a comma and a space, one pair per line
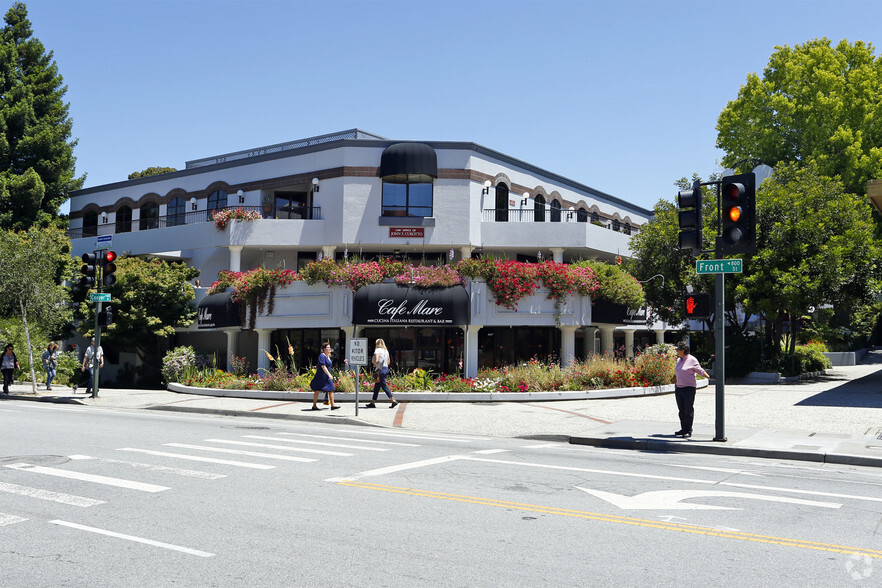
8, 519
241, 464
282, 447
156, 468
48, 495
351, 439
315, 443
241, 452
133, 538
118, 482
458, 439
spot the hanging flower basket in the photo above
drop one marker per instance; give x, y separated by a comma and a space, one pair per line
222, 217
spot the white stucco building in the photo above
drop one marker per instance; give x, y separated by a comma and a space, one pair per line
354, 194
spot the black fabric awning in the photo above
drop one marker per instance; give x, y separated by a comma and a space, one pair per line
391, 304
604, 311
409, 159
218, 310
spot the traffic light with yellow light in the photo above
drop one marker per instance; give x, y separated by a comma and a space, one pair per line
738, 209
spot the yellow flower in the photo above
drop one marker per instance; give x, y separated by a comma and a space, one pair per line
270, 357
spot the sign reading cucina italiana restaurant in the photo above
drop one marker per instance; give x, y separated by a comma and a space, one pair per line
391, 304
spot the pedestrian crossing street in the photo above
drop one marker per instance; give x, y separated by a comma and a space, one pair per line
154, 469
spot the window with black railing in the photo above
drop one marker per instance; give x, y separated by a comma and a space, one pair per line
124, 219
90, 224
539, 209
177, 208
555, 211
149, 217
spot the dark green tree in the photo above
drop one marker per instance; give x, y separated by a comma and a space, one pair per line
151, 298
37, 164
151, 171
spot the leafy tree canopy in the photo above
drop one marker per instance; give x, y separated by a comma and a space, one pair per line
151, 171
37, 165
814, 102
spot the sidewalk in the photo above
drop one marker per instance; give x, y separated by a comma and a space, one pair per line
835, 418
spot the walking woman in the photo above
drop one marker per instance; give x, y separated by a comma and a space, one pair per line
323, 381
50, 363
8, 365
684, 390
381, 369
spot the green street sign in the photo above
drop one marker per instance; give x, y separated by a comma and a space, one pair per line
718, 266
96, 297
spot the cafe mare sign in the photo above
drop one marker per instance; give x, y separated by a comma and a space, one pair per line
391, 304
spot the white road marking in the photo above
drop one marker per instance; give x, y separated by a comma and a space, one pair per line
241, 464
261, 437
133, 538
490, 451
8, 519
352, 439
118, 482
282, 447
670, 499
710, 469
156, 468
795, 491
412, 436
398, 468
241, 452
49, 495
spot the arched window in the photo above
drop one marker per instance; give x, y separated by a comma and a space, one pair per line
176, 211
627, 229
124, 219
539, 208
217, 200
149, 216
617, 226
582, 215
555, 211
501, 203
595, 218
90, 224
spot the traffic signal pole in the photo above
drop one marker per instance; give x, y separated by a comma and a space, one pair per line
720, 358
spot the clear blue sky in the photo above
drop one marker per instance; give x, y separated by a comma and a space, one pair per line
621, 96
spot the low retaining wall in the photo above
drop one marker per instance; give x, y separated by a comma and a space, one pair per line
439, 396
846, 357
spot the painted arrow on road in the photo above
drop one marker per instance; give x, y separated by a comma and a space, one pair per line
670, 499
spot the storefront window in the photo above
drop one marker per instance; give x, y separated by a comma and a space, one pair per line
307, 344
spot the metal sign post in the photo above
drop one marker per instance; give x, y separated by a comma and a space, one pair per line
358, 356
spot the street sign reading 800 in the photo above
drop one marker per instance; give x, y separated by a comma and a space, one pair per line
718, 266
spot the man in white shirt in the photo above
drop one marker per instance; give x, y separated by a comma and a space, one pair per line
92, 358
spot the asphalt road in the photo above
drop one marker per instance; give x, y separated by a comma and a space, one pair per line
114, 497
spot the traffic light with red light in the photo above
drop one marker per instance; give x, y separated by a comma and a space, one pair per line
108, 268
90, 265
738, 204
689, 219
698, 306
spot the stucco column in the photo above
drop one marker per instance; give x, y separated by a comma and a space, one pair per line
263, 343
470, 358
629, 343
659, 336
231, 347
567, 345
557, 254
590, 336
236, 258
607, 341
466, 252
328, 251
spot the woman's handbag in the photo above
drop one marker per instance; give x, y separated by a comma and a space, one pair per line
376, 377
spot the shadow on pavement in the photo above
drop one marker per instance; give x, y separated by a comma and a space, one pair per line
864, 392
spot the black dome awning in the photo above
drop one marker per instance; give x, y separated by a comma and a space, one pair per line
409, 159
391, 304
218, 310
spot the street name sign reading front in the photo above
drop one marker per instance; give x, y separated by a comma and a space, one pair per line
718, 266
358, 351
102, 297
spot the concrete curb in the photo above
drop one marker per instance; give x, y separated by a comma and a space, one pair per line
692, 447
342, 419
438, 396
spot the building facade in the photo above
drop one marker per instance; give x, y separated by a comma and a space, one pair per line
355, 195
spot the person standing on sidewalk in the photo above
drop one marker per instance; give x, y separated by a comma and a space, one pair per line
8, 365
684, 390
93, 357
323, 380
381, 370
50, 362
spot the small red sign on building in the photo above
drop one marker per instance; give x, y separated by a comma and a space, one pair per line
407, 232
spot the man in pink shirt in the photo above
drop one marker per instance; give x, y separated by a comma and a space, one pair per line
684, 390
